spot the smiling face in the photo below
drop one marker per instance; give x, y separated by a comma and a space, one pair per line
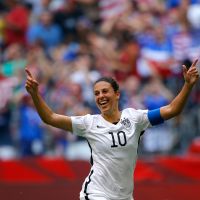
106, 98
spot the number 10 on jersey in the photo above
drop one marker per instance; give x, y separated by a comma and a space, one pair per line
118, 139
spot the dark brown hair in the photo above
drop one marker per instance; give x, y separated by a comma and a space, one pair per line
110, 80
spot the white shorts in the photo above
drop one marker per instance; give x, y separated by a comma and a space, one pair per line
96, 197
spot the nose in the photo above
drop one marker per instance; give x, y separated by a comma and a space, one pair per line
101, 95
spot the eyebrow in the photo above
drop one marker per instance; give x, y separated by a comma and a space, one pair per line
104, 88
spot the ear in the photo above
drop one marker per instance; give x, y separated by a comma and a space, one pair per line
118, 95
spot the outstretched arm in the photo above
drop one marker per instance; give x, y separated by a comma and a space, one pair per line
45, 113
191, 77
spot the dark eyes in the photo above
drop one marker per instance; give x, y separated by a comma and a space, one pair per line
104, 91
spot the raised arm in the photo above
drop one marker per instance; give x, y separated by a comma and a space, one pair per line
45, 113
191, 77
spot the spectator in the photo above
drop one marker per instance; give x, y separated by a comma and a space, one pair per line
38, 7
14, 59
157, 52
6, 139
16, 22
85, 77
7, 145
30, 129
131, 96
67, 18
44, 32
159, 139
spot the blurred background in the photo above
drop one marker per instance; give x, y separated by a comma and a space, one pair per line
67, 45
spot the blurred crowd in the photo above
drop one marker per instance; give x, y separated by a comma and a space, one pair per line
68, 44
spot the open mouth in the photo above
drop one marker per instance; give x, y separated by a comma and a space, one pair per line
103, 103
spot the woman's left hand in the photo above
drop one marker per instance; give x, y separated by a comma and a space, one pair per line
191, 75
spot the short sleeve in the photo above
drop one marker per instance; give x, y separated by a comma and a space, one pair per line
140, 118
144, 122
81, 124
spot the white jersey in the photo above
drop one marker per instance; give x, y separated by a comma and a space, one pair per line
113, 152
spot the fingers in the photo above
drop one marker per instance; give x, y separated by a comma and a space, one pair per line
30, 77
184, 67
28, 73
32, 82
194, 64
193, 69
193, 72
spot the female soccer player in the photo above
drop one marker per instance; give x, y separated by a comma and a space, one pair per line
112, 135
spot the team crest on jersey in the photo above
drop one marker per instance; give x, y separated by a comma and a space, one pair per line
126, 123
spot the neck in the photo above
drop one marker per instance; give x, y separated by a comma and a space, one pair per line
112, 117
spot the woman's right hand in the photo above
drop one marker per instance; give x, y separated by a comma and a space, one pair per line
31, 83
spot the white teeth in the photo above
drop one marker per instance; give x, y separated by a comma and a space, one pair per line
103, 102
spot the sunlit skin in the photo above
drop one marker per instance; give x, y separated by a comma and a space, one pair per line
107, 101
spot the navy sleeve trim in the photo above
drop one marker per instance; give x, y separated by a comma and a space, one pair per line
155, 117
